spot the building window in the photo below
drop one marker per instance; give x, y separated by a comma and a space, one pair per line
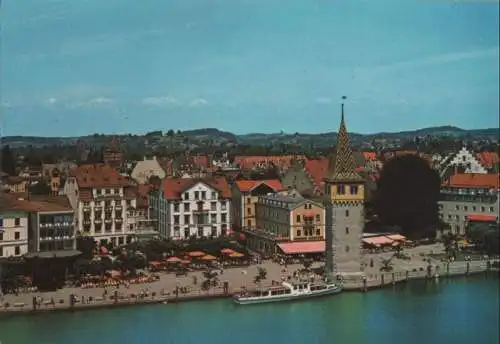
298, 218
223, 218
213, 206
214, 195
176, 219
341, 189
108, 191
1, 223
17, 235
347, 213
299, 232
203, 195
1, 237
196, 195
98, 191
223, 205
492, 209
186, 232
353, 189
347, 248
318, 232
249, 223
483, 209
249, 200
318, 217
457, 207
176, 207
200, 232
474, 208
213, 218
17, 222
249, 211
186, 207
186, 195
347, 230
116, 191
17, 251
187, 219
466, 207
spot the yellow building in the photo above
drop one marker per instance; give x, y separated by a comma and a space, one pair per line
245, 194
289, 224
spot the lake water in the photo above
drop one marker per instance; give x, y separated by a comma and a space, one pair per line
461, 310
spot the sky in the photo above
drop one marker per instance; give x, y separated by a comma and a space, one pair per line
77, 67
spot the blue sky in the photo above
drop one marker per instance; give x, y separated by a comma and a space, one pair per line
75, 67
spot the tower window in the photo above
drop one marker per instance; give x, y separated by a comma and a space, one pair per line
347, 248
347, 213
347, 230
341, 189
353, 189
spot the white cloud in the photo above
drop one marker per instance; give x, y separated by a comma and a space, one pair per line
323, 100
159, 101
441, 59
51, 101
97, 102
198, 102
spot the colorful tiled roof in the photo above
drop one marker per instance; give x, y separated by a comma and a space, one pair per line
173, 188
249, 185
54, 204
370, 156
344, 165
282, 162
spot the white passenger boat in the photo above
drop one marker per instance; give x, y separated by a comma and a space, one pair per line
288, 292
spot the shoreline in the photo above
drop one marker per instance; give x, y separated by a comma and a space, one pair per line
166, 300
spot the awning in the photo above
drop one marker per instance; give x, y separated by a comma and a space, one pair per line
302, 247
397, 237
381, 240
309, 215
482, 218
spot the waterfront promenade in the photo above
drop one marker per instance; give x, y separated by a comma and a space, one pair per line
165, 288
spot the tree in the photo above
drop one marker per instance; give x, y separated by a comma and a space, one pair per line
407, 196
7, 161
86, 245
210, 280
261, 275
450, 243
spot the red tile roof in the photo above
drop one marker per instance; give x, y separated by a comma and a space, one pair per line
10, 202
370, 156
173, 188
317, 169
249, 185
283, 162
98, 176
474, 180
488, 159
303, 247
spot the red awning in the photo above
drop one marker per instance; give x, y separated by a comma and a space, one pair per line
309, 215
302, 247
482, 218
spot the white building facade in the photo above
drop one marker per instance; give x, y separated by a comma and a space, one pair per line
466, 160
104, 212
185, 208
13, 233
146, 169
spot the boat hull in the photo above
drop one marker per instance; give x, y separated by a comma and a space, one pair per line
285, 298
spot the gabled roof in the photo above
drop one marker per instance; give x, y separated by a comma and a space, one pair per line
249, 185
38, 204
317, 170
175, 187
488, 159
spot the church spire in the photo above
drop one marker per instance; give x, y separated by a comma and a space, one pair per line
344, 164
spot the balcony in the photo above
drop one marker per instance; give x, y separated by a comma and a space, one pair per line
86, 222
108, 220
118, 207
98, 220
86, 208
98, 208
118, 220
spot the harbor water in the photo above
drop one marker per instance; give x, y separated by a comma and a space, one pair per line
455, 311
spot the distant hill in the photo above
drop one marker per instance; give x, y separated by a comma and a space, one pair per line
204, 135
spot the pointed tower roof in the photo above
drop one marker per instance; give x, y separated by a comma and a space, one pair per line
344, 163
